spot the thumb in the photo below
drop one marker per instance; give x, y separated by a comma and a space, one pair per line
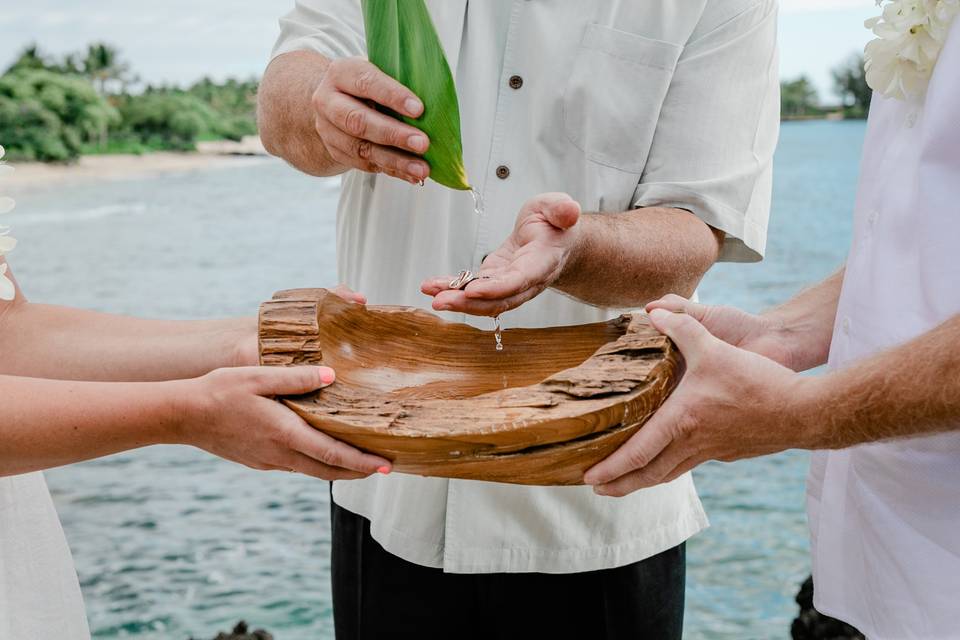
691, 337
563, 212
559, 209
290, 381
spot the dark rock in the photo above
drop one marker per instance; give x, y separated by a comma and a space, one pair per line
242, 632
813, 625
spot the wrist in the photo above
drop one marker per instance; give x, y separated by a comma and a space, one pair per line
794, 340
184, 405
571, 265
811, 423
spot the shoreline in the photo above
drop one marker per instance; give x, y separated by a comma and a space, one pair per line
209, 155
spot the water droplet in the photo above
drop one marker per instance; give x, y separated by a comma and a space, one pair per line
498, 333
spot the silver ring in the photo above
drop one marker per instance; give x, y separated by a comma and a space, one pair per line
464, 278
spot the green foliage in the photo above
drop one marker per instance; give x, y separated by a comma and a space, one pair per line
403, 43
850, 84
50, 110
165, 119
102, 64
49, 116
798, 99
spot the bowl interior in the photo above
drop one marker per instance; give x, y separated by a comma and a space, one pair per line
408, 355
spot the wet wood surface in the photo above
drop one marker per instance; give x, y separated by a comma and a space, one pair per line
437, 399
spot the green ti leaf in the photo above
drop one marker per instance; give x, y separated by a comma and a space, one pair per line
402, 42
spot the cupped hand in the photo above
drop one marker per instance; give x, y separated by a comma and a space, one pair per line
529, 261
755, 333
231, 413
358, 136
731, 404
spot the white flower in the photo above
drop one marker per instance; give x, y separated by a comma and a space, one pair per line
7, 243
910, 36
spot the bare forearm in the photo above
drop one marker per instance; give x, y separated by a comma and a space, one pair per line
49, 423
805, 322
911, 390
628, 259
44, 341
286, 116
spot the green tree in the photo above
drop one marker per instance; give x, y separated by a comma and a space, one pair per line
30, 58
166, 119
798, 98
49, 116
102, 64
850, 85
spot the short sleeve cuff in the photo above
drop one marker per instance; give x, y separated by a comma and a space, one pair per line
745, 239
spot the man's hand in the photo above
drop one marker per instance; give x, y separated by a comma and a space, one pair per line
527, 263
730, 404
358, 136
759, 334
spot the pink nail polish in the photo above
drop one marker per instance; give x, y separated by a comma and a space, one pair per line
327, 377
384, 470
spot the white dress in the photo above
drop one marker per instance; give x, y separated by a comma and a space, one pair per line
39, 591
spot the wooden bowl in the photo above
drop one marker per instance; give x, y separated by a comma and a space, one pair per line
437, 399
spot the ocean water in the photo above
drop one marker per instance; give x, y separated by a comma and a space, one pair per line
171, 543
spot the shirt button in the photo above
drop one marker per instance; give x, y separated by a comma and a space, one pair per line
911, 119
846, 325
516, 82
872, 219
503, 172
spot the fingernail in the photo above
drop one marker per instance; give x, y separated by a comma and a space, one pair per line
413, 106
417, 143
416, 169
384, 470
327, 376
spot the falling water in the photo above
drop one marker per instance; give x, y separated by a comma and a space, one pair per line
478, 212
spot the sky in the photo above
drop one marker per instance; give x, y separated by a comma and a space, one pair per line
177, 41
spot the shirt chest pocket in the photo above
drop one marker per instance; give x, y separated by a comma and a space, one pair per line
614, 94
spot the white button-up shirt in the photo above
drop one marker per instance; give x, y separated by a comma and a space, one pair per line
885, 517
622, 105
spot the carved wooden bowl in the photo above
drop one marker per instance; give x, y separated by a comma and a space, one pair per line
437, 399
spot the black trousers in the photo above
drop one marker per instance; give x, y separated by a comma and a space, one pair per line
378, 595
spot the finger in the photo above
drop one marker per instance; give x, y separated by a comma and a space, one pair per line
639, 451
691, 337
306, 465
363, 79
678, 304
651, 475
290, 381
637, 480
360, 121
365, 155
433, 286
333, 453
345, 292
459, 302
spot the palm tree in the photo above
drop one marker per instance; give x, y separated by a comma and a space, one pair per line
103, 64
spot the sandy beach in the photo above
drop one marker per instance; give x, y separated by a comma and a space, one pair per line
209, 155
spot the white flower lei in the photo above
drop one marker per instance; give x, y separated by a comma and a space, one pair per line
7, 242
911, 33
